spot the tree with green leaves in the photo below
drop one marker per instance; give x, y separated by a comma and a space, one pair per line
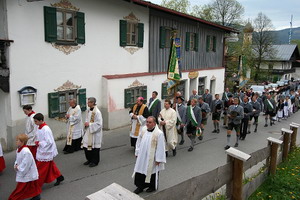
224, 12
296, 42
178, 5
263, 40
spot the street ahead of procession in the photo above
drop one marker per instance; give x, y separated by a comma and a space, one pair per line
117, 162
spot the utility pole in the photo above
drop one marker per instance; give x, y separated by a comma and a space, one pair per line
290, 34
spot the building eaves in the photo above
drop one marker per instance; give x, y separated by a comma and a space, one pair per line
174, 12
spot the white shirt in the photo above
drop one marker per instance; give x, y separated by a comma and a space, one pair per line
30, 130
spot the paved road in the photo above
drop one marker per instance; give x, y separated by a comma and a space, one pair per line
117, 162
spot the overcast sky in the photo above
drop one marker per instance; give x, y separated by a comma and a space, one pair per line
279, 11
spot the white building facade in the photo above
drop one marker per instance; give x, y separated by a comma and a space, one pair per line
73, 49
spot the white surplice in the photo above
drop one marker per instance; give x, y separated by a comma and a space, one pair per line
47, 149
27, 170
141, 120
170, 117
1, 151
75, 123
30, 130
95, 128
142, 151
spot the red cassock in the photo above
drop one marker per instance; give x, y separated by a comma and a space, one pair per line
25, 190
33, 150
2, 163
48, 172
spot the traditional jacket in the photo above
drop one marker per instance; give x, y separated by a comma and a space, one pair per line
26, 170
217, 106
256, 108
154, 107
248, 109
93, 133
239, 111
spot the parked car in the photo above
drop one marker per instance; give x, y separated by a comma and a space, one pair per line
258, 88
280, 83
273, 87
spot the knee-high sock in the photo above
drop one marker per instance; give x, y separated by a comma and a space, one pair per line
228, 139
266, 120
215, 125
249, 126
237, 138
256, 126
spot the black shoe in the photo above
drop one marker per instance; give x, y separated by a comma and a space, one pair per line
200, 137
150, 190
227, 147
92, 165
248, 132
266, 125
236, 145
87, 163
58, 180
174, 153
218, 131
67, 152
270, 124
138, 190
226, 127
214, 131
191, 149
242, 138
181, 142
167, 154
38, 197
255, 130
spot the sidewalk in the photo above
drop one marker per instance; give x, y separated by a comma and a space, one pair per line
117, 162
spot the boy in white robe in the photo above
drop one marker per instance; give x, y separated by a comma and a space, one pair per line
92, 138
46, 152
151, 157
30, 129
74, 128
167, 120
27, 173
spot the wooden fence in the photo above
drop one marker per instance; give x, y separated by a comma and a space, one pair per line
231, 174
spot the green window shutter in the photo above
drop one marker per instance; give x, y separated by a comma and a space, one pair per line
164, 92
123, 33
162, 37
82, 99
144, 93
187, 41
80, 28
214, 43
140, 35
53, 104
50, 24
196, 41
127, 98
207, 43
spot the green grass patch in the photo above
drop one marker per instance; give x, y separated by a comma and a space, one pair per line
285, 185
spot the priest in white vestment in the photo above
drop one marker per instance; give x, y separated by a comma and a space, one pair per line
74, 128
138, 115
30, 129
151, 157
167, 121
92, 138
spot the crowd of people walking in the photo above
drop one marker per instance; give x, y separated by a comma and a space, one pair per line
155, 132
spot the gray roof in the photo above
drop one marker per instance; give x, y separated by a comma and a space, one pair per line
283, 52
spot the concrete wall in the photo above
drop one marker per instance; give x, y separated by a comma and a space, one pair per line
3, 20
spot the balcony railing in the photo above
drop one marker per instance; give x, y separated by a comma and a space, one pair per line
4, 69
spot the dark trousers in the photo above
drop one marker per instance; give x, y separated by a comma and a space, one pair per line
75, 146
244, 127
139, 181
93, 156
133, 141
